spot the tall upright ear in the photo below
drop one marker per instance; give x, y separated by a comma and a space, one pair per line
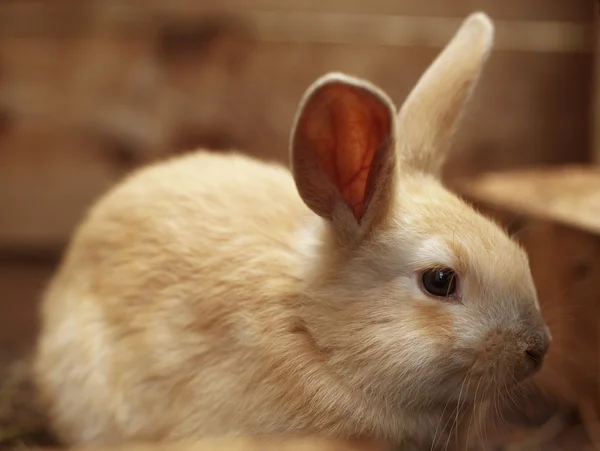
343, 152
430, 114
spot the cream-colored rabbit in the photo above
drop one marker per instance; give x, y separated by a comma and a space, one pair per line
237, 444
354, 297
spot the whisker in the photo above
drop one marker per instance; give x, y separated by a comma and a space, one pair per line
458, 408
474, 403
437, 429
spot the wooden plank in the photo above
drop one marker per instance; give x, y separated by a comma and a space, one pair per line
404, 30
21, 286
544, 10
46, 185
568, 194
572, 10
276, 24
595, 113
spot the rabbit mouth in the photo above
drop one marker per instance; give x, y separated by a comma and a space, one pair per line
498, 380
492, 373
475, 387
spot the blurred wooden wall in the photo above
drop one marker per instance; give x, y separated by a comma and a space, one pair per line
595, 116
91, 89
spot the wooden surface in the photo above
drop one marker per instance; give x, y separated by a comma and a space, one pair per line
21, 284
595, 113
572, 10
567, 194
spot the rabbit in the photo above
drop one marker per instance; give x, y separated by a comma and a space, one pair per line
238, 444
350, 296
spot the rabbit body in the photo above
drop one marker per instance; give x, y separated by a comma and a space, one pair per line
244, 444
177, 312
215, 295
184, 295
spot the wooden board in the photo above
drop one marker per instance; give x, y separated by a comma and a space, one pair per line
21, 284
566, 194
595, 113
571, 10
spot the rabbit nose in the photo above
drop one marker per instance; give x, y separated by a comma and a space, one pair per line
535, 352
536, 355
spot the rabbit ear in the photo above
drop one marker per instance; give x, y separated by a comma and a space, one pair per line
343, 151
432, 110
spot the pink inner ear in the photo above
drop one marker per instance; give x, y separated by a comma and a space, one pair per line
355, 127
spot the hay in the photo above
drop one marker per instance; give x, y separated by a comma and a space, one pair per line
22, 423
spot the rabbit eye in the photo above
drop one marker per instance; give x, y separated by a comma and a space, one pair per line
439, 282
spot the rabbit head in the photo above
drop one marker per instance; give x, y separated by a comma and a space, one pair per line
411, 294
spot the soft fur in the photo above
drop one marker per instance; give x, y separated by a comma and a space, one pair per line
213, 294
241, 444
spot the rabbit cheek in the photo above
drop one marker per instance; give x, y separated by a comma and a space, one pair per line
435, 322
497, 360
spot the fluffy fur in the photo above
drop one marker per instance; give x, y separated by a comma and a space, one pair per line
243, 444
218, 295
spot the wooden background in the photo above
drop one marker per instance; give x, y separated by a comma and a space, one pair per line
91, 89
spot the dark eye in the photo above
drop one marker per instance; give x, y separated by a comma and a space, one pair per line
439, 282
